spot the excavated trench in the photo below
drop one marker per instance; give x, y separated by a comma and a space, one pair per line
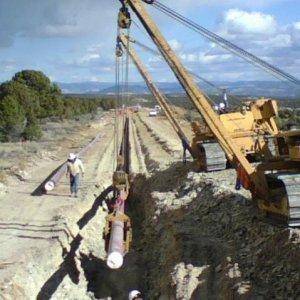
194, 238
162, 244
141, 263
105, 283
158, 246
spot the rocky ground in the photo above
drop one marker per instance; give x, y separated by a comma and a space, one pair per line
209, 242
195, 237
39, 235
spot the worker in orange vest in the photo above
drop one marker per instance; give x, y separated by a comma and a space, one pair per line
242, 178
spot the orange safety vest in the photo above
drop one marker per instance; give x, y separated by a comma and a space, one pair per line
243, 177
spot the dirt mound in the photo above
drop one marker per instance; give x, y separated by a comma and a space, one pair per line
205, 240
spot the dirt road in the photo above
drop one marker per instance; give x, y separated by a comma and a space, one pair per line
38, 232
34, 229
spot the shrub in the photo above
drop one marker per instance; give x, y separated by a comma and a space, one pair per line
32, 132
30, 96
107, 104
35, 80
25, 96
12, 119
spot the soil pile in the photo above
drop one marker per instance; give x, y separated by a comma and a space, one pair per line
200, 239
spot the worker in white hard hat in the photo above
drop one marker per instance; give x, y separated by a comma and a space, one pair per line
225, 99
74, 168
135, 295
222, 108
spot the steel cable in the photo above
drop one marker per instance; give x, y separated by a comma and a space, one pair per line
234, 99
249, 57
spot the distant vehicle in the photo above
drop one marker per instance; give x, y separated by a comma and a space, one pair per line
157, 108
152, 113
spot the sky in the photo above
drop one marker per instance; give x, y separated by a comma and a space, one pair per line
74, 40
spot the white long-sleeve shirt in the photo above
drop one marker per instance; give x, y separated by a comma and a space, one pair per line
75, 168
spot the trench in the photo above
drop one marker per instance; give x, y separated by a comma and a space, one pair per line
162, 243
188, 236
189, 247
158, 244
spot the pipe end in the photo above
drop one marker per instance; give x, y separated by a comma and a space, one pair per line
49, 186
115, 260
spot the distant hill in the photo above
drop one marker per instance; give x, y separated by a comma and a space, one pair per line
243, 88
84, 87
132, 88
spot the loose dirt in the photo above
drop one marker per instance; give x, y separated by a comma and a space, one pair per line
194, 236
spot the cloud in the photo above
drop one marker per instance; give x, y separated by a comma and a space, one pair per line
65, 30
260, 34
7, 65
55, 18
254, 31
237, 21
175, 44
71, 18
297, 25
89, 57
283, 40
91, 24
188, 5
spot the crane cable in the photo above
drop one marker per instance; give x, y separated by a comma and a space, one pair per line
235, 99
156, 53
125, 104
147, 48
247, 56
118, 99
193, 74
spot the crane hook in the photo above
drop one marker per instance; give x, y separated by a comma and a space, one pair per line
119, 50
124, 18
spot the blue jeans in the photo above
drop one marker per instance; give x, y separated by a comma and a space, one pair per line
74, 183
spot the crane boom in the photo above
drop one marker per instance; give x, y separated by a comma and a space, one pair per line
160, 98
198, 98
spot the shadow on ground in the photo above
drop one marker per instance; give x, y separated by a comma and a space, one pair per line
39, 191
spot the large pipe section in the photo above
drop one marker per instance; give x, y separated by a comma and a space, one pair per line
118, 223
116, 249
56, 177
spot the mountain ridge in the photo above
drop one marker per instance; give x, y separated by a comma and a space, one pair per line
243, 88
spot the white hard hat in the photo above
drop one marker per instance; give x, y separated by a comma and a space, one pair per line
72, 156
133, 294
222, 105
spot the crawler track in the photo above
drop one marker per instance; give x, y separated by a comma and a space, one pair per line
288, 188
214, 156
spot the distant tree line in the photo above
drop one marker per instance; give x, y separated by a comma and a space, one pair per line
288, 117
31, 96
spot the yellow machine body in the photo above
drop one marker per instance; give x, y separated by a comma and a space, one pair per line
249, 128
288, 143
